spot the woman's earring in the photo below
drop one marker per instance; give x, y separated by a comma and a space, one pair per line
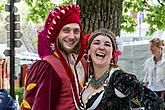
111, 62
85, 56
88, 58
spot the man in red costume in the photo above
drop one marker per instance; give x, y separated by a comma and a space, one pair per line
54, 83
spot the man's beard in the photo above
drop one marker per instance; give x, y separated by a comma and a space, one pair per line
74, 50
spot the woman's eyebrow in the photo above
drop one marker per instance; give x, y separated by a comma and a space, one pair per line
107, 42
96, 40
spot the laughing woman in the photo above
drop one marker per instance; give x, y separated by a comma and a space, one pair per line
108, 86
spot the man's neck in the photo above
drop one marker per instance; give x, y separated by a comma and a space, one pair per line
71, 58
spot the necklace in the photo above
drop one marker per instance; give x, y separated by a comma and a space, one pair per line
97, 83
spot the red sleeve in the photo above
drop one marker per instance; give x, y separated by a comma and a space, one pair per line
42, 87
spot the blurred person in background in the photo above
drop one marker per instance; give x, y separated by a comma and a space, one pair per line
6, 101
155, 68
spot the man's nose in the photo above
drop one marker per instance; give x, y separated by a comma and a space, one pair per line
71, 35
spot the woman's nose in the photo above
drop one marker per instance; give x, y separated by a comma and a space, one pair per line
101, 46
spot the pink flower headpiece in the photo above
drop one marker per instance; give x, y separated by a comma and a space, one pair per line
117, 53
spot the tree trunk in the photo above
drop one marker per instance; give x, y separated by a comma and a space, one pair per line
97, 14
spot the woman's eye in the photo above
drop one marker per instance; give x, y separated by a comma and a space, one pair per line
108, 45
96, 43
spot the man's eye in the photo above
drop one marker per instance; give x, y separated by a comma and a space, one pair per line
76, 31
66, 30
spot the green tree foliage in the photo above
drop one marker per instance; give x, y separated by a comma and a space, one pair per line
38, 9
1, 8
156, 19
155, 16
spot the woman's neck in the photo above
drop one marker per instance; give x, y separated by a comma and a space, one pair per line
158, 57
100, 71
